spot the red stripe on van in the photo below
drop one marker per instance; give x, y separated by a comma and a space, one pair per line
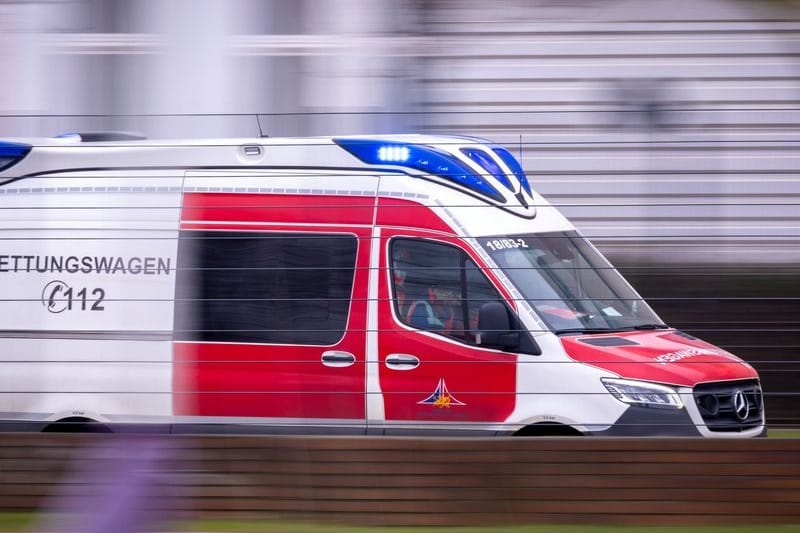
408, 214
289, 208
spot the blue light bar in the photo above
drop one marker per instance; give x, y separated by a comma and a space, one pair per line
512, 163
393, 154
11, 153
420, 157
486, 162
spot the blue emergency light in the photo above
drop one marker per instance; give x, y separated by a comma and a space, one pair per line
486, 162
420, 157
11, 153
512, 163
393, 154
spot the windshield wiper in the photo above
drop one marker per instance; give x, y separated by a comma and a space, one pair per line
638, 327
579, 331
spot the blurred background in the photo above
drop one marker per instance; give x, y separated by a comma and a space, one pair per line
642, 118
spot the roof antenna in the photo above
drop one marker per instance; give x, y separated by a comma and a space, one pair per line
260, 131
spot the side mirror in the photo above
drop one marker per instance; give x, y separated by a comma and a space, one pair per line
494, 328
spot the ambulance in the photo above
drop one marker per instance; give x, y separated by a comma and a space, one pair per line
386, 285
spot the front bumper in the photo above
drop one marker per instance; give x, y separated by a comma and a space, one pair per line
651, 422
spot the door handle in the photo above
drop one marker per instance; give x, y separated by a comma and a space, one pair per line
402, 361
337, 359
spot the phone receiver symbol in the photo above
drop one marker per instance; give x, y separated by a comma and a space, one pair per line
50, 296
51, 303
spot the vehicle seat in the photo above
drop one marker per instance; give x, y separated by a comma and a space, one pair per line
422, 316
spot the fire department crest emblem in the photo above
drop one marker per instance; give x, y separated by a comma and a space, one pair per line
441, 397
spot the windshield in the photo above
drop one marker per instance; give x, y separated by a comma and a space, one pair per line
569, 284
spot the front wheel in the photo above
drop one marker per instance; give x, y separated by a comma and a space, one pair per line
548, 429
76, 424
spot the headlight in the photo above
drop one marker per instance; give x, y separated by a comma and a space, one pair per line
643, 394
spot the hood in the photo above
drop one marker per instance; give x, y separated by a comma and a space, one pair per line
670, 357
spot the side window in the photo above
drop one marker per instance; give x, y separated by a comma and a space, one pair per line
275, 288
479, 291
438, 288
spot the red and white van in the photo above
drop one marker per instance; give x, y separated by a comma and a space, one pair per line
381, 285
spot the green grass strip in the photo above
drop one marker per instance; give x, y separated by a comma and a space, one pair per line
16, 521
784, 433
25, 523
281, 527
292, 527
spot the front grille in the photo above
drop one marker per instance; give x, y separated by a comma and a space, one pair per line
731, 405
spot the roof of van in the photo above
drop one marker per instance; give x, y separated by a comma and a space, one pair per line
470, 165
72, 139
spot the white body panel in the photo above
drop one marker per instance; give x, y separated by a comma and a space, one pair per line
106, 351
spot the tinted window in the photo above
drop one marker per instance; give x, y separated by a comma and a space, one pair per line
438, 288
280, 288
